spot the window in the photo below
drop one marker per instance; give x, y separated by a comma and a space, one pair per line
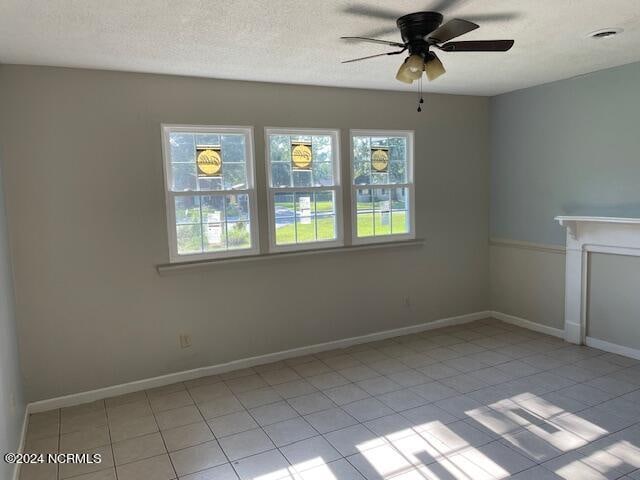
305, 205
210, 192
382, 196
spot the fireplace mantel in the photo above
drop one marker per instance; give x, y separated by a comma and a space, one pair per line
585, 235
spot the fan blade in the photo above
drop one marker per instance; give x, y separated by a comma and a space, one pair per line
375, 12
478, 46
381, 32
374, 56
374, 40
452, 29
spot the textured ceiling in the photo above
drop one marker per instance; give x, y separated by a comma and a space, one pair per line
297, 41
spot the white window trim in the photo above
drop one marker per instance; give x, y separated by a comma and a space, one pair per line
410, 185
174, 257
336, 187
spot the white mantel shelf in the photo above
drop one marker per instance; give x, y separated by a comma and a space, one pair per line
563, 219
585, 235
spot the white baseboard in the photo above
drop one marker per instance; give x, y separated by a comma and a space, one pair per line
23, 439
613, 348
528, 324
90, 396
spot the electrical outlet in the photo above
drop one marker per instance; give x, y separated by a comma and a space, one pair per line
185, 340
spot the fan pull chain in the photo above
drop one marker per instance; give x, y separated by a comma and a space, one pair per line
421, 101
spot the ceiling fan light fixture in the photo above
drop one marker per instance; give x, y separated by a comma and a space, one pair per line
433, 68
415, 64
404, 75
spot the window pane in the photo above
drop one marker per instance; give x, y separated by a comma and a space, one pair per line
399, 210
323, 174
284, 218
306, 165
238, 235
379, 162
281, 174
237, 207
364, 212
207, 139
305, 217
326, 225
361, 149
214, 183
234, 176
280, 148
325, 202
362, 173
321, 145
215, 238
210, 165
183, 177
212, 209
302, 178
379, 178
382, 212
233, 147
397, 172
182, 148
187, 210
189, 239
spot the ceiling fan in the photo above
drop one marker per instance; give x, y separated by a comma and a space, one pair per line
421, 33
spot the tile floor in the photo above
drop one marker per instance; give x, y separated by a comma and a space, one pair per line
478, 401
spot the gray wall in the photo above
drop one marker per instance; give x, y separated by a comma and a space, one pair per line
87, 221
11, 399
570, 147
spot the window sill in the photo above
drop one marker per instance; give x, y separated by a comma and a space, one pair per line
173, 268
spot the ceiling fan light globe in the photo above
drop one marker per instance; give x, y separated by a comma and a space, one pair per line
415, 64
403, 74
434, 69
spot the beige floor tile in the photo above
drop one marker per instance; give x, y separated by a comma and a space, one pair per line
125, 399
221, 472
39, 471
73, 470
42, 445
156, 468
199, 457
170, 401
109, 474
232, 423
125, 429
178, 417
187, 436
83, 421
129, 411
85, 439
490, 421
138, 448
220, 406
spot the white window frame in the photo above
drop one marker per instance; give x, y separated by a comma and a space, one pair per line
336, 188
410, 186
170, 195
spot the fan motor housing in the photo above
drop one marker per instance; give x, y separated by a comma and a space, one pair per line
415, 28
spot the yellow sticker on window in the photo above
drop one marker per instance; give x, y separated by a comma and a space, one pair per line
380, 159
301, 155
209, 160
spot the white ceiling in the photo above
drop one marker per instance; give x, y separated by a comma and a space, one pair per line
296, 41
